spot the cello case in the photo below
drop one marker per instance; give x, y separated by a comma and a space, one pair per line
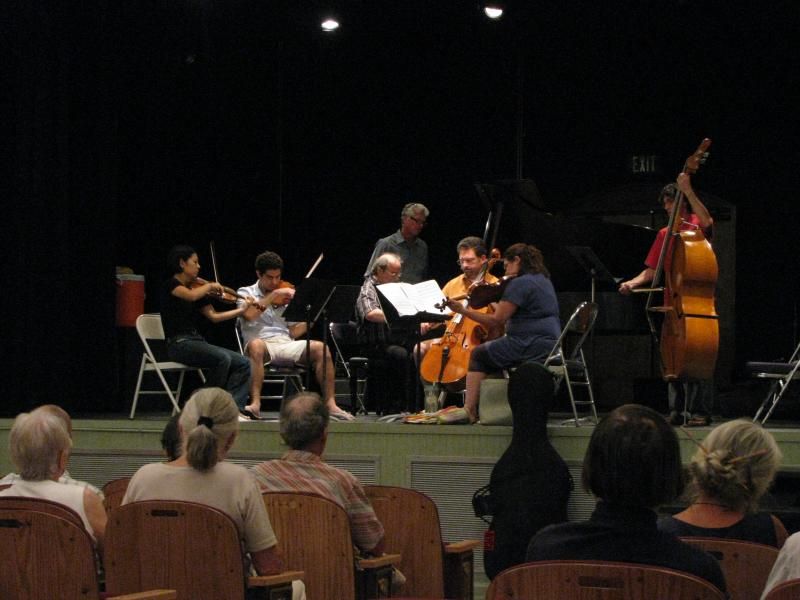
530, 484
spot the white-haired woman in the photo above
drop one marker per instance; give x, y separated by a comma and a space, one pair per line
730, 472
40, 445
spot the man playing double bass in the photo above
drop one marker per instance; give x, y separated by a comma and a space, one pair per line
692, 393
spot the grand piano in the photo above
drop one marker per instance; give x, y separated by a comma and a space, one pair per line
620, 354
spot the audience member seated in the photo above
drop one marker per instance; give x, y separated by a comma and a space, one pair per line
171, 438
304, 427
730, 472
65, 478
632, 465
39, 445
208, 425
787, 565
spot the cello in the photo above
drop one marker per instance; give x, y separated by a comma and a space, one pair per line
447, 359
690, 330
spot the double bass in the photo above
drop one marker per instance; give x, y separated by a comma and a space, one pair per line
690, 330
447, 359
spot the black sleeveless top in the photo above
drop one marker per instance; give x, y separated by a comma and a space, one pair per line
754, 527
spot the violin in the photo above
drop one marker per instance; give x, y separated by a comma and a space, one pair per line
481, 294
284, 301
226, 295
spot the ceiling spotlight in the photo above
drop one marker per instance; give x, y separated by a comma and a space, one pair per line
493, 10
330, 24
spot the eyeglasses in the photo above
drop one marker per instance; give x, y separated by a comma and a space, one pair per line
466, 261
394, 273
419, 222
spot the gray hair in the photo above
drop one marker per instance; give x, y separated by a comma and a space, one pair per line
36, 440
412, 208
735, 465
304, 419
382, 262
209, 418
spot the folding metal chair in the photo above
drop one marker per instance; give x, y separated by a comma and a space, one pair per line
289, 378
355, 367
571, 366
149, 328
782, 374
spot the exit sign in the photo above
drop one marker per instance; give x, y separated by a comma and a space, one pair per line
644, 163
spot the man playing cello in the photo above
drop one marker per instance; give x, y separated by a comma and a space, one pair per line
448, 357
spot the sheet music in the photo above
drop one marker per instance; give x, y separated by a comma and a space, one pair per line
410, 300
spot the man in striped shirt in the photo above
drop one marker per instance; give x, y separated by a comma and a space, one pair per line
304, 427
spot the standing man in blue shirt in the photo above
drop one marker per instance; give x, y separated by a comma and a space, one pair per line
406, 244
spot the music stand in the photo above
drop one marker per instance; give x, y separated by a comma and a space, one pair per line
586, 258
409, 328
311, 296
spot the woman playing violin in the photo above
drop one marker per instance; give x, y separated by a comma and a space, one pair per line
183, 296
528, 309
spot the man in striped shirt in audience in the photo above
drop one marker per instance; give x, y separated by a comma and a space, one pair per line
304, 427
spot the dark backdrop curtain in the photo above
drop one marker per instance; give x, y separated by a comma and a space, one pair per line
59, 156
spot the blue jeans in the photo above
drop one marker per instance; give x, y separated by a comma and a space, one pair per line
224, 368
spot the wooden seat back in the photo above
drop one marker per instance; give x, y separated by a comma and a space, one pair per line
188, 547
42, 505
114, 492
45, 556
598, 580
788, 590
410, 521
746, 565
314, 536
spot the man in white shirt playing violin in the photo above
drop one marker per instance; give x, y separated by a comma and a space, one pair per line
268, 338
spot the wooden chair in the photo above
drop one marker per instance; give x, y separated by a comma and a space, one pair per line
600, 580
45, 556
746, 565
190, 547
788, 590
433, 569
114, 492
41, 505
314, 535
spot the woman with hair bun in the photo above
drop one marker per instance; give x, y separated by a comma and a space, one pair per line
730, 472
208, 426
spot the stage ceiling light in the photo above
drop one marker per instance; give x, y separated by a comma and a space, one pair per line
493, 10
330, 24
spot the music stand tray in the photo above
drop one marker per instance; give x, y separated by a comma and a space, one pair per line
342, 304
587, 259
311, 296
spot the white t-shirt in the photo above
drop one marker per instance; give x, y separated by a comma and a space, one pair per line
70, 496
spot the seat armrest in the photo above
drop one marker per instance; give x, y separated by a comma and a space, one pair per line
461, 546
378, 561
270, 580
148, 595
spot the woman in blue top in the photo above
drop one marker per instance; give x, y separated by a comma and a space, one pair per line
528, 310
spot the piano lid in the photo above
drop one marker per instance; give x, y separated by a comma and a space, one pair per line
620, 248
